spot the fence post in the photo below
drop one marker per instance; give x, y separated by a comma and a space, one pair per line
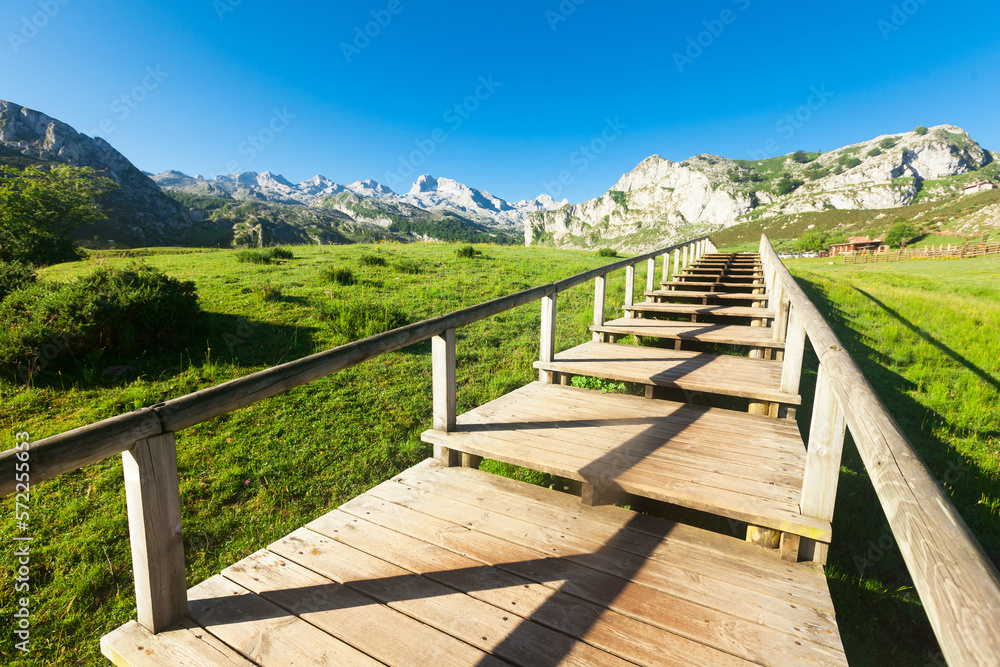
152, 495
684, 262
791, 365
443, 373
547, 341
599, 304
629, 289
677, 262
823, 455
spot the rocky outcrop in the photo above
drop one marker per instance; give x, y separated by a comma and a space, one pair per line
137, 209
661, 201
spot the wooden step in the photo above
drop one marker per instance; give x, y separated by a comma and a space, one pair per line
696, 294
726, 463
705, 283
720, 374
701, 310
719, 334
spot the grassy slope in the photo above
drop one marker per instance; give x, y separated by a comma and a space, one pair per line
924, 333
941, 221
255, 475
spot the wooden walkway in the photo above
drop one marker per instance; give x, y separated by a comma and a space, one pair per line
447, 565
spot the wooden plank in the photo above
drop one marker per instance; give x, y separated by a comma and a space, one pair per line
350, 616
650, 272
593, 571
547, 337
629, 287
726, 334
791, 370
183, 645
702, 372
599, 291
482, 625
262, 631
417, 551
698, 309
154, 522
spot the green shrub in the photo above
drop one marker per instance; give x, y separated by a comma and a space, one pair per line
339, 275
620, 198
354, 320
889, 142
787, 185
607, 252
599, 384
467, 252
264, 256
901, 231
800, 157
849, 162
373, 260
875, 152
125, 311
920, 130
14, 276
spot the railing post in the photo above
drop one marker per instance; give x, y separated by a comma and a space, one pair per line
547, 342
650, 274
684, 262
599, 304
629, 289
780, 305
677, 263
443, 373
826, 447
152, 495
666, 268
791, 365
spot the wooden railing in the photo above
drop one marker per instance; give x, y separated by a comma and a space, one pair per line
146, 437
956, 582
940, 251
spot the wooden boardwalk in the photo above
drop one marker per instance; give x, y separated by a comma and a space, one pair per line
446, 564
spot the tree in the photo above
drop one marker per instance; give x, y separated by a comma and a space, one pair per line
800, 157
920, 130
39, 208
813, 241
900, 232
787, 185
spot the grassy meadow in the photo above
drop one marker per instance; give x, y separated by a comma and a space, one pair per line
923, 332
257, 474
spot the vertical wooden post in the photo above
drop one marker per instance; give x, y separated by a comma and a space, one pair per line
153, 499
684, 261
677, 262
666, 268
443, 372
547, 342
780, 306
629, 289
599, 304
826, 447
650, 274
791, 365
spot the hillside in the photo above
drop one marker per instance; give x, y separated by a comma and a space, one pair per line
662, 201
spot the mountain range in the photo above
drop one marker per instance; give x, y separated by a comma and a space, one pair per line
656, 203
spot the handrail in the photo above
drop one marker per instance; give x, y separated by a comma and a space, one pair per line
67, 451
956, 581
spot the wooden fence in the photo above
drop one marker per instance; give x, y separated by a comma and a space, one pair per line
146, 437
956, 582
931, 252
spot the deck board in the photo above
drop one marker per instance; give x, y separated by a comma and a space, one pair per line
452, 566
721, 374
699, 309
723, 334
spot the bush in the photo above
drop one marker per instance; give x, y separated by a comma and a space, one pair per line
264, 256
607, 252
920, 130
850, 162
800, 157
408, 266
900, 232
124, 311
467, 252
339, 275
14, 276
787, 185
875, 152
373, 260
354, 320
889, 142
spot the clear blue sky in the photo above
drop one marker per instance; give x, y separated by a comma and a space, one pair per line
561, 72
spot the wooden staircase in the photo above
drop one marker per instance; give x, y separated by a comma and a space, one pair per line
716, 437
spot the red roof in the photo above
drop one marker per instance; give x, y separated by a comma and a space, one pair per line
976, 185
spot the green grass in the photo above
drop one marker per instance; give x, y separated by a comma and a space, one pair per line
924, 334
257, 474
